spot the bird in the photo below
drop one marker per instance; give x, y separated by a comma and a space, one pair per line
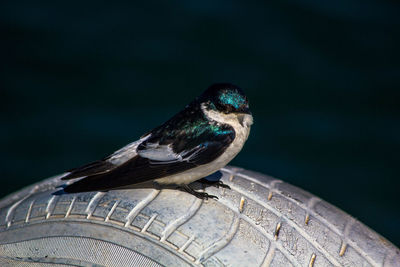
196, 142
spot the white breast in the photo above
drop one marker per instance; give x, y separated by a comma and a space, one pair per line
241, 124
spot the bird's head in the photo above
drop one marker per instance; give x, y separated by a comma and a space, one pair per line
225, 98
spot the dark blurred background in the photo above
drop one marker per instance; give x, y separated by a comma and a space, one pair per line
80, 80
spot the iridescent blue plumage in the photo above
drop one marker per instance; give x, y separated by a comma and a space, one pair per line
233, 98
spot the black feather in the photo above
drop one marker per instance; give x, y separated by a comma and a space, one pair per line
97, 167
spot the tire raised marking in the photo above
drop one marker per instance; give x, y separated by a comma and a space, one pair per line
221, 243
312, 260
11, 210
270, 255
93, 203
241, 204
277, 230
149, 223
292, 224
187, 243
70, 207
316, 215
50, 206
28, 214
138, 208
171, 227
112, 210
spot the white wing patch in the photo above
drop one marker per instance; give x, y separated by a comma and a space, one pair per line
164, 154
157, 152
127, 152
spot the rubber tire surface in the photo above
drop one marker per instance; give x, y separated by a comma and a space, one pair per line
261, 221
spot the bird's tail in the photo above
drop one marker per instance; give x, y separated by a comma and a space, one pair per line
92, 168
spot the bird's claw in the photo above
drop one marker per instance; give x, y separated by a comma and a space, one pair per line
217, 184
201, 195
222, 185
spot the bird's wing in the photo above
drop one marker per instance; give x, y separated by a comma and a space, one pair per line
107, 164
159, 157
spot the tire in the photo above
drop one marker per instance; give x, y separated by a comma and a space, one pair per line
260, 221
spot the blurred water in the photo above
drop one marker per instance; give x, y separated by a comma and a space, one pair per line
79, 80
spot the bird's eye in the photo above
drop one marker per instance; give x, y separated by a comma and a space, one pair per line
229, 108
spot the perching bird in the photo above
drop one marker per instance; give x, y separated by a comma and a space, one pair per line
196, 142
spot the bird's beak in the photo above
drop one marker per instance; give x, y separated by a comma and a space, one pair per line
244, 119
